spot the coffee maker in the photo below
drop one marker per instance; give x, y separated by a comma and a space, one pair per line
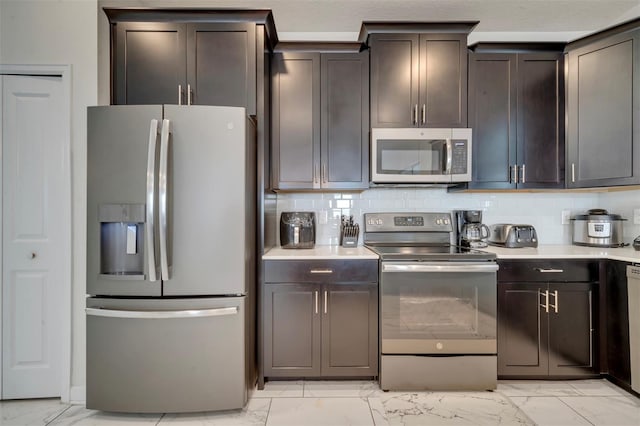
470, 231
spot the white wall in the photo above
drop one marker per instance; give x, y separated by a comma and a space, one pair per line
542, 210
62, 32
624, 203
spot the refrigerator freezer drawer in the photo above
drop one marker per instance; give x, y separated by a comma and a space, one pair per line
164, 356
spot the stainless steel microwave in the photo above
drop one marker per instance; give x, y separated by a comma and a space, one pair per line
422, 155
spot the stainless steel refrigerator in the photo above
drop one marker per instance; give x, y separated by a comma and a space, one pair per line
170, 258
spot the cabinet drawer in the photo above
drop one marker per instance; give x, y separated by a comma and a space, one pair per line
321, 271
548, 270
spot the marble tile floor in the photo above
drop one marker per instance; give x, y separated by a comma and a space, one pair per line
354, 403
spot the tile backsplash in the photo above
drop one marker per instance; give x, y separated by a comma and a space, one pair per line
542, 210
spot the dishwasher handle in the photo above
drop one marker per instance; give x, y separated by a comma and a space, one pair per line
446, 267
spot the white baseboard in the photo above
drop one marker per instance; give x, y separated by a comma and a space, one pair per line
78, 395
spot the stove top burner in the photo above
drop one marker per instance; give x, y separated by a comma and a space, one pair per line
430, 253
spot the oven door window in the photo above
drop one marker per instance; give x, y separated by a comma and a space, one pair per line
451, 312
411, 157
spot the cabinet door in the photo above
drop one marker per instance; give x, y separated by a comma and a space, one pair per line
350, 330
540, 146
522, 330
443, 80
603, 100
345, 120
291, 330
492, 116
572, 326
221, 64
618, 355
295, 120
394, 80
149, 63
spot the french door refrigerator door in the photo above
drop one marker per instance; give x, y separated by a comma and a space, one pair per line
122, 155
163, 356
207, 207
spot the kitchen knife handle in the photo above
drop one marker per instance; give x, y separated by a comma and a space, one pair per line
151, 195
162, 195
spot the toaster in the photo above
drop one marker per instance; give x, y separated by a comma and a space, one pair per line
512, 236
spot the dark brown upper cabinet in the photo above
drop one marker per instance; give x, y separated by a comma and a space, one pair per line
516, 111
418, 77
185, 63
603, 100
320, 120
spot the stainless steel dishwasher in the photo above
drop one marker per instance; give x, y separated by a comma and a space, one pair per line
633, 288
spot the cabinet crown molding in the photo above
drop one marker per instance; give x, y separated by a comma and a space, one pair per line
400, 27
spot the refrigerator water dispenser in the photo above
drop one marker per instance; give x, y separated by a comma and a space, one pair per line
121, 240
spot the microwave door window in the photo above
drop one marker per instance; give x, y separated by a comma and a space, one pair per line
409, 157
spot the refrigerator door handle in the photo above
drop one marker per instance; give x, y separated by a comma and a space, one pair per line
162, 194
191, 313
150, 210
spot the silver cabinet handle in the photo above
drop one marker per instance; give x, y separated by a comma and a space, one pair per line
189, 93
573, 172
549, 270
324, 173
195, 313
151, 191
523, 174
546, 300
555, 306
415, 114
316, 172
424, 113
316, 296
321, 271
325, 301
440, 267
515, 173
162, 197
179, 94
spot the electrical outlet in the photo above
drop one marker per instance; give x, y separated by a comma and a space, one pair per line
636, 216
566, 217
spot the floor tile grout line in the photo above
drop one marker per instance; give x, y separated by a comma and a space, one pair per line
59, 414
160, 419
266, 419
579, 414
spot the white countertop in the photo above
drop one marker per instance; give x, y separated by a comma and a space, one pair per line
320, 252
566, 251
557, 251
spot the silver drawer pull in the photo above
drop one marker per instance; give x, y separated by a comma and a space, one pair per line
321, 271
551, 270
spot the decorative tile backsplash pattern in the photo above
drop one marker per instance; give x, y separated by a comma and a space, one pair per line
542, 210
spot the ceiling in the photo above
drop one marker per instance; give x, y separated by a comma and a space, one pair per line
562, 20
500, 20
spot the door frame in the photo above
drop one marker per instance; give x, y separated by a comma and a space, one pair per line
64, 72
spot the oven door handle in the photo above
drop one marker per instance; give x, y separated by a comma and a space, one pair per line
439, 267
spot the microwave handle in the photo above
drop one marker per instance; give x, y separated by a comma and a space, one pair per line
449, 156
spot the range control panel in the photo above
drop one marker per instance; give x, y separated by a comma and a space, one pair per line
399, 222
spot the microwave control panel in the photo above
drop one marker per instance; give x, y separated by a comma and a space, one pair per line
459, 157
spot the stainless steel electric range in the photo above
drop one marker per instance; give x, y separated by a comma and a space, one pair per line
437, 304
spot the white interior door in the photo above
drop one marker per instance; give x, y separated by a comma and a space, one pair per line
34, 198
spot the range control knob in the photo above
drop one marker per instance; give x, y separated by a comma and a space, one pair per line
439, 346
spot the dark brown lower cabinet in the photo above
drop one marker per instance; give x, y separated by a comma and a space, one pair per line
318, 328
547, 329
